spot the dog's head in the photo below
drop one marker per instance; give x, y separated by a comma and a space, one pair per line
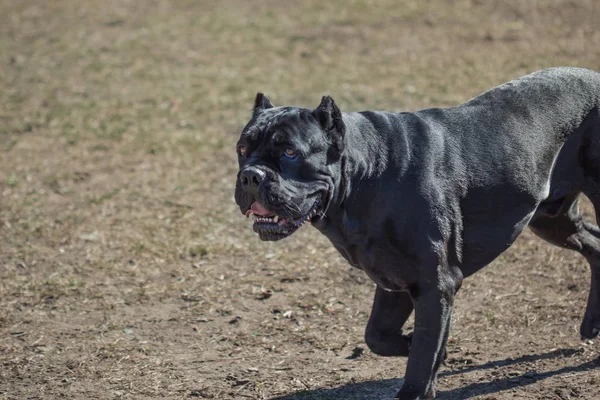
289, 165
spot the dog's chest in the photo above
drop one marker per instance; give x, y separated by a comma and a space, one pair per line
387, 265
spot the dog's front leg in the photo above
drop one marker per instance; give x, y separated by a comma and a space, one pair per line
384, 330
433, 311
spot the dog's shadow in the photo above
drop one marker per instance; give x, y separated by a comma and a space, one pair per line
387, 388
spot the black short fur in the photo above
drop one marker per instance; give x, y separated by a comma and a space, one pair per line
421, 200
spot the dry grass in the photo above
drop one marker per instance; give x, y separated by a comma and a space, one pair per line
126, 269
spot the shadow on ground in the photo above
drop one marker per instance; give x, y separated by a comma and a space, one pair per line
381, 389
387, 388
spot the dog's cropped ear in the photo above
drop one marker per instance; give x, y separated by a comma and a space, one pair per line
261, 102
330, 118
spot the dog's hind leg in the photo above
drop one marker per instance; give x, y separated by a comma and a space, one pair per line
570, 231
384, 330
590, 326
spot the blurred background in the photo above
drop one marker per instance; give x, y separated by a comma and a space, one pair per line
126, 269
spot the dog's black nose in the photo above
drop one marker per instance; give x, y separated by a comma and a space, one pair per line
251, 177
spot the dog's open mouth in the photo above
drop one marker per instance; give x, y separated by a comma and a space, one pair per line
271, 226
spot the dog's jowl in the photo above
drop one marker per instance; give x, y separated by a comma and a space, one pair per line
421, 200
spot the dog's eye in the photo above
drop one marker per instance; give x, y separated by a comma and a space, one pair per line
289, 153
241, 150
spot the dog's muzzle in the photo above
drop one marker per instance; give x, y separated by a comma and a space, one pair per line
251, 178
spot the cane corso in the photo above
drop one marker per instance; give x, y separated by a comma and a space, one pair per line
421, 200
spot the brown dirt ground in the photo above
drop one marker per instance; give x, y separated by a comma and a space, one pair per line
126, 269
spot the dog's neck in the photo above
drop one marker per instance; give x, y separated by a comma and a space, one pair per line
366, 154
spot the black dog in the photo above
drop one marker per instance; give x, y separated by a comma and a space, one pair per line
421, 200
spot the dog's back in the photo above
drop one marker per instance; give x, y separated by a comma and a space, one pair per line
524, 144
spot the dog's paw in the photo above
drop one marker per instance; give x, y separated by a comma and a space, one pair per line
396, 345
590, 327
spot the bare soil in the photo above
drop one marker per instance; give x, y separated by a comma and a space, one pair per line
126, 270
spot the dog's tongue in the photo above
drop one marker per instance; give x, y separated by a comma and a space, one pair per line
257, 209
